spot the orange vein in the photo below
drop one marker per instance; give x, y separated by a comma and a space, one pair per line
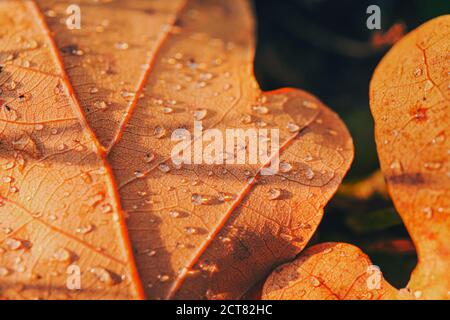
135, 280
142, 82
221, 223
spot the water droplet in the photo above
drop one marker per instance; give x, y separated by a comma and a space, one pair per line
201, 84
12, 85
274, 193
332, 132
439, 138
198, 199
32, 44
62, 255
246, 119
14, 244
121, 45
428, 85
368, 296
428, 212
84, 229
328, 250
418, 294
261, 109
125, 94
396, 166
292, 127
100, 105
225, 197
433, 165
160, 132
25, 97
310, 104
104, 275
106, 208
309, 174
163, 277
190, 230
4, 272
206, 76
163, 168
8, 179
418, 72
174, 214
39, 126
149, 157
200, 114
138, 174
191, 64
93, 90
167, 110
50, 13
9, 165
315, 282
285, 167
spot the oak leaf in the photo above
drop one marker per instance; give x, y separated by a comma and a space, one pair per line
197, 231
213, 231
59, 209
110, 57
409, 99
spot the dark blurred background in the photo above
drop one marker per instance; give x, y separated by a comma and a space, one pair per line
324, 47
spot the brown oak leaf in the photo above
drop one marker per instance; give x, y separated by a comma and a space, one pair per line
95, 137
409, 99
59, 209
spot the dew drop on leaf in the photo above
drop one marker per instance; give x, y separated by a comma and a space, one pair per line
274, 193
14, 244
121, 45
4, 272
200, 114
62, 255
292, 127
309, 174
261, 109
149, 157
103, 275
163, 168
314, 281
138, 174
160, 132
163, 277
285, 167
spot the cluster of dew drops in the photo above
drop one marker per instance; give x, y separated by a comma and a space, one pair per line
202, 80
419, 116
20, 246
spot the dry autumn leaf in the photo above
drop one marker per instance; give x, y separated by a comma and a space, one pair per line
110, 57
197, 231
58, 202
409, 101
212, 231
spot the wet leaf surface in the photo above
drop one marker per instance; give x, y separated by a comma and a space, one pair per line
73, 105
213, 231
110, 57
409, 101
58, 203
